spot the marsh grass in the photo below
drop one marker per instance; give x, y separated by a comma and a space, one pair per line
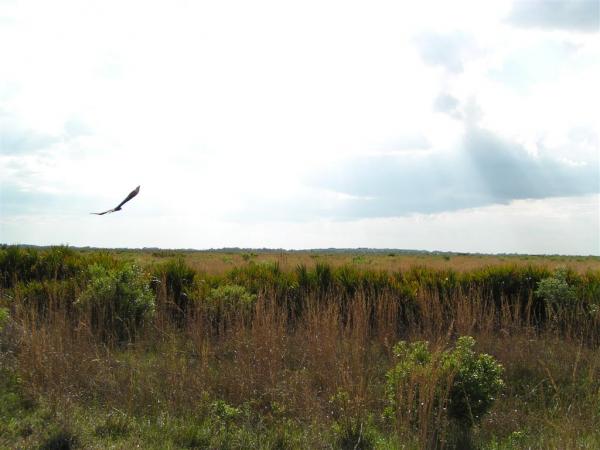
272, 356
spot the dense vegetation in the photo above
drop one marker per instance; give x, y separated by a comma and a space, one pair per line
102, 349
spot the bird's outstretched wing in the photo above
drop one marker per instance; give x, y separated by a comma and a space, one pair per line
129, 197
105, 212
118, 207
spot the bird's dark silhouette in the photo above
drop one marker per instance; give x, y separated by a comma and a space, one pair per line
118, 207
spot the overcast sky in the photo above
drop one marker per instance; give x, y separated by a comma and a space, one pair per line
462, 126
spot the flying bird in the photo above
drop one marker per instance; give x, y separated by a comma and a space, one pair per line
118, 208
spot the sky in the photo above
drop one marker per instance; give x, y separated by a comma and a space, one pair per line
453, 126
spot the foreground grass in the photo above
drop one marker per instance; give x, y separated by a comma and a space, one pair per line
546, 405
265, 357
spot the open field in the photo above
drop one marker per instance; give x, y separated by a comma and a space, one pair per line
249, 349
222, 261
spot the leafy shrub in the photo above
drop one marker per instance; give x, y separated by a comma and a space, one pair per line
118, 299
248, 256
427, 389
352, 428
230, 297
477, 381
557, 293
225, 305
219, 409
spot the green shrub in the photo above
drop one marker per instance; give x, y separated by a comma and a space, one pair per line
557, 293
230, 297
248, 256
476, 384
426, 389
219, 409
118, 299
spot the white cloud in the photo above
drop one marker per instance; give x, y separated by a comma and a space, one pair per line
211, 106
576, 15
563, 225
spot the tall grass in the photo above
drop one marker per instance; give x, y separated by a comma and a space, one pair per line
302, 349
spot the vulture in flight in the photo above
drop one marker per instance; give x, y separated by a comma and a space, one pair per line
118, 207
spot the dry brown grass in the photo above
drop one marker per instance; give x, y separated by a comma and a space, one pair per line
218, 263
284, 366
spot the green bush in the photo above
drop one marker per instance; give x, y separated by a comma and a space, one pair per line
557, 293
118, 299
476, 384
456, 383
230, 297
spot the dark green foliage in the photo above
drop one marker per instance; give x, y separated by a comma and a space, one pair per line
352, 427
304, 278
354, 434
225, 303
457, 381
47, 294
193, 436
177, 279
4, 316
323, 278
60, 439
58, 263
556, 291
477, 381
218, 429
508, 283
119, 300
16, 264
26, 264
230, 297
262, 277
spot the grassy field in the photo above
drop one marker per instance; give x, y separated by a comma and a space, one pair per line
220, 262
275, 350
